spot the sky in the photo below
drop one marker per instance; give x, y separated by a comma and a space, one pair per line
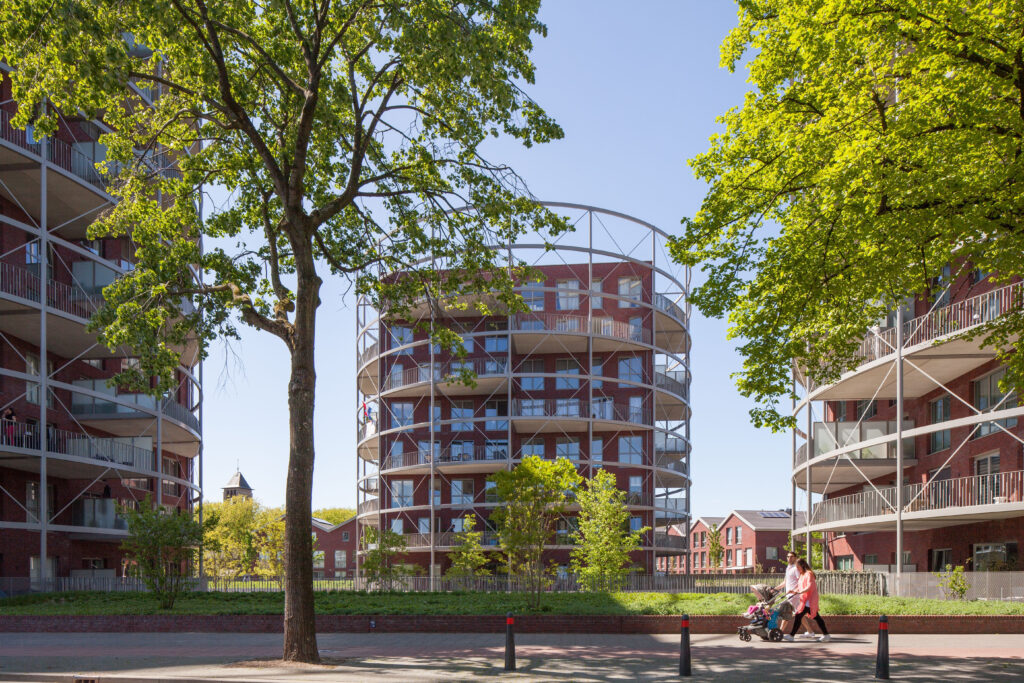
636, 93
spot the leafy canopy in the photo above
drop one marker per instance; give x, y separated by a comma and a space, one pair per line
335, 515
161, 546
882, 141
601, 558
345, 133
468, 557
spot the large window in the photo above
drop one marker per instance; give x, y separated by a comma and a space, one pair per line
844, 563
462, 416
423, 525
994, 556
567, 407
866, 409
597, 449
491, 492
629, 290
340, 559
938, 412
462, 492
739, 535
398, 525
568, 370
597, 369
568, 295
401, 415
531, 407
401, 493
631, 450
728, 536
631, 369
495, 344
532, 383
987, 396
462, 450
496, 409
596, 300
400, 336
533, 296
568, 447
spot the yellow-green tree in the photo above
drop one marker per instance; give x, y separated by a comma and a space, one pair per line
468, 557
335, 515
604, 541
882, 143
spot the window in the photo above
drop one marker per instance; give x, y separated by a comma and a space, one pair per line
467, 344
401, 415
435, 422
423, 525
567, 407
866, 409
630, 369
596, 301
532, 383
987, 396
986, 468
939, 558
564, 367
531, 407
631, 450
490, 492
533, 296
567, 447
400, 336
344, 537
696, 539
462, 451
340, 559
986, 464
771, 552
728, 558
318, 559
739, 535
994, 556
597, 369
870, 559
629, 290
636, 409
938, 411
568, 295
940, 287
437, 492
463, 412
32, 388
844, 562
424, 450
496, 409
396, 453
750, 558
462, 492
496, 450
398, 525
532, 446
636, 329
636, 484
597, 449
401, 493
602, 408
703, 539
32, 500
636, 523
459, 524
495, 344
728, 536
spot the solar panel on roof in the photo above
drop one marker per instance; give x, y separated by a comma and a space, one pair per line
773, 514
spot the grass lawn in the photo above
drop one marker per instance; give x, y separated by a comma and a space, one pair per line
479, 603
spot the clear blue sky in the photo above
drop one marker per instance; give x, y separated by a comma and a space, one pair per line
636, 87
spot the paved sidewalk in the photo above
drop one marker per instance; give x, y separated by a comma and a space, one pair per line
181, 657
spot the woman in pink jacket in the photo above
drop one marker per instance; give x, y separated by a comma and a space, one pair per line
807, 589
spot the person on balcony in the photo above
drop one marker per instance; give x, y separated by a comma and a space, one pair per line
9, 418
808, 592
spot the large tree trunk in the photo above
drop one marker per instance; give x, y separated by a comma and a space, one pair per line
299, 614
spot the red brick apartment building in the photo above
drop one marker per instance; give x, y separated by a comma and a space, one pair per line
72, 448
954, 474
752, 540
334, 556
596, 372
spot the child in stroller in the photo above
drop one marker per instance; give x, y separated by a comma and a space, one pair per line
765, 615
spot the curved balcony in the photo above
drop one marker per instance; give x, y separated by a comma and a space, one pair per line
449, 459
932, 342
487, 375
947, 502
539, 415
75, 455
136, 415
847, 452
561, 332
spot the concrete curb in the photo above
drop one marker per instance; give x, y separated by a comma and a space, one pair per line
535, 623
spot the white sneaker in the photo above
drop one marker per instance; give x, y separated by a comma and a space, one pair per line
788, 638
824, 638
806, 634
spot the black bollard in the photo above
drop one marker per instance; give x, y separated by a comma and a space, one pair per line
882, 659
510, 643
684, 646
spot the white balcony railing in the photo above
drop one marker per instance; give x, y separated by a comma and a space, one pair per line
133, 452
450, 371
371, 505
572, 407
832, 436
963, 492
578, 324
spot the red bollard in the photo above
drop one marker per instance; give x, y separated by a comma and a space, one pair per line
510, 643
684, 646
882, 658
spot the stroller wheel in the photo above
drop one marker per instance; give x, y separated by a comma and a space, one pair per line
775, 635
745, 637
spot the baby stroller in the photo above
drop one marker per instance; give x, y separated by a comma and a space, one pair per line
765, 615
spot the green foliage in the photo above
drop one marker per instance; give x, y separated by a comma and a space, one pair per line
468, 557
242, 538
349, 602
161, 546
601, 558
715, 549
533, 495
798, 544
881, 142
335, 515
953, 582
382, 549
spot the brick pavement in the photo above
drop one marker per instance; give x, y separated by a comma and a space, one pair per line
181, 657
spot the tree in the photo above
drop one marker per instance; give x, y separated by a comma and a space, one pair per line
798, 544
715, 551
468, 557
601, 558
381, 550
533, 495
335, 515
161, 546
270, 560
346, 134
243, 538
882, 143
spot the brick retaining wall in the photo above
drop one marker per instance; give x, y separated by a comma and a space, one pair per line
547, 623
